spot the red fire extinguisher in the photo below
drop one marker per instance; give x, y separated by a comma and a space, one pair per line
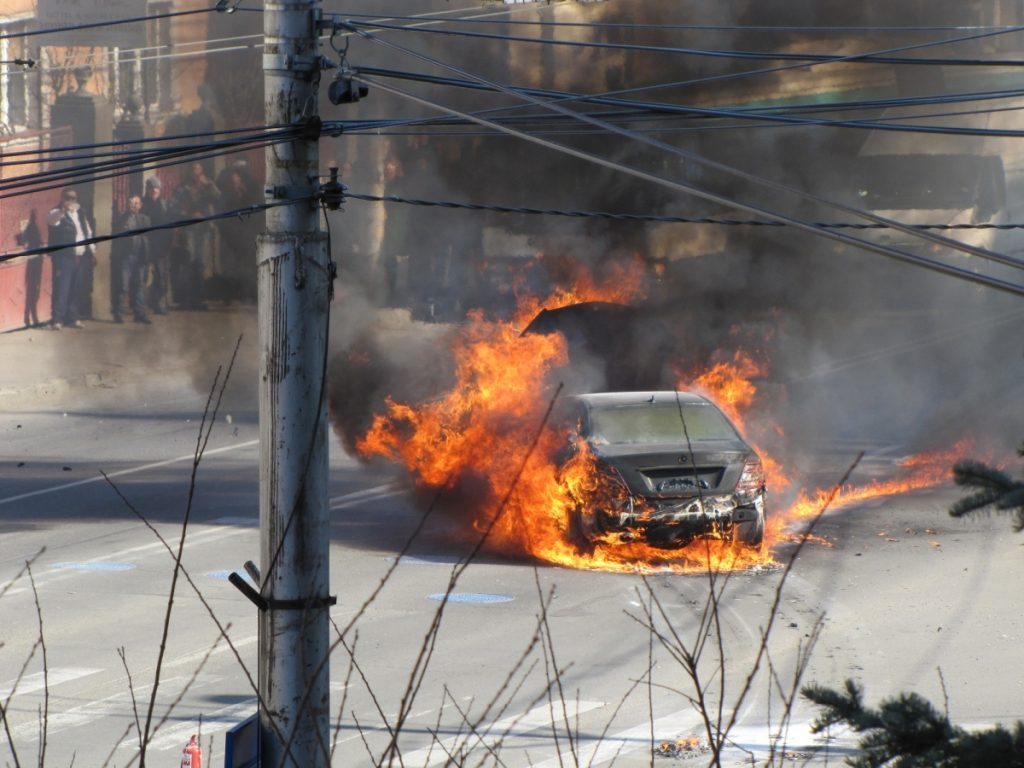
192, 754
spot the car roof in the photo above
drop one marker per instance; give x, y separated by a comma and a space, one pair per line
623, 399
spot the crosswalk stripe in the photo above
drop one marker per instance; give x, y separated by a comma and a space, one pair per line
629, 740
220, 528
84, 714
38, 681
539, 717
175, 736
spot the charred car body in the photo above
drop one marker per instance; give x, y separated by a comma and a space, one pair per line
673, 469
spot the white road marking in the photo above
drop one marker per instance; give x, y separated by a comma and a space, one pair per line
174, 737
192, 660
217, 530
38, 682
630, 740
539, 717
116, 705
121, 473
365, 492
370, 494
798, 737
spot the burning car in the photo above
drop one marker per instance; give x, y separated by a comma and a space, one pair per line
671, 467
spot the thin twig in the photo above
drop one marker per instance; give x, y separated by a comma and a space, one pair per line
202, 440
776, 602
46, 669
131, 691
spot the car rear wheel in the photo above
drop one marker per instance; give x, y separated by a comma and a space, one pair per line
587, 527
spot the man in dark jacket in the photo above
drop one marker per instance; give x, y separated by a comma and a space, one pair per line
196, 198
130, 255
67, 226
154, 206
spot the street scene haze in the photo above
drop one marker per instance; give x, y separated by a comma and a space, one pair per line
508, 383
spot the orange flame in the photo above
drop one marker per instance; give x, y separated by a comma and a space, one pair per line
728, 384
623, 284
925, 471
473, 443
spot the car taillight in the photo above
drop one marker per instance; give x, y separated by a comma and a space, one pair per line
752, 479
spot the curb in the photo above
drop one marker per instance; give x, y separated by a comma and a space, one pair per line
59, 386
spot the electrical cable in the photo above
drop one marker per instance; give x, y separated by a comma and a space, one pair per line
376, 127
565, 130
704, 27
867, 58
894, 253
656, 218
748, 73
148, 140
188, 158
729, 76
100, 24
127, 160
665, 108
96, 239
887, 251
110, 58
127, 164
723, 168
111, 62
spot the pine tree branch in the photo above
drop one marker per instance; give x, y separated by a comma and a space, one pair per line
996, 491
908, 732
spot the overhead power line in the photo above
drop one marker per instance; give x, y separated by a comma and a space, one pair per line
660, 218
54, 154
100, 24
721, 167
865, 58
764, 114
730, 76
704, 27
191, 155
134, 160
889, 252
237, 212
653, 125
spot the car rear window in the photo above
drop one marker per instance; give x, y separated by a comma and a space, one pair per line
659, 423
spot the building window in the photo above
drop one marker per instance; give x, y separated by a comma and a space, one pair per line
18, 83
156, 61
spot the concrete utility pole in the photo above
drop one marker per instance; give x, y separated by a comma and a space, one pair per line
294, 281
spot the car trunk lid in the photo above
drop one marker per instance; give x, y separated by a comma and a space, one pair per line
664, 474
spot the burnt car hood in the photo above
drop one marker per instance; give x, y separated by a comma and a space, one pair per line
655, 472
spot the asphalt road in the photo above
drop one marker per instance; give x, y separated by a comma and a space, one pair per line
908, 599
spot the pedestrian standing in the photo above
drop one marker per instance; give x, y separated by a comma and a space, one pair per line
67, 227
130, 255
192, 754
238, 234
197, 198
154, 206
30, 238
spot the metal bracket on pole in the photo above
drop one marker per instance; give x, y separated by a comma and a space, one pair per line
266, 603
335, 24
287, 192
243, 586
288, 62
302, 604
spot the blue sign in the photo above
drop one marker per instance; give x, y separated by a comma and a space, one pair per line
242, 744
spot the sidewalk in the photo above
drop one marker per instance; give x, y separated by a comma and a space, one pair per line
39, 365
